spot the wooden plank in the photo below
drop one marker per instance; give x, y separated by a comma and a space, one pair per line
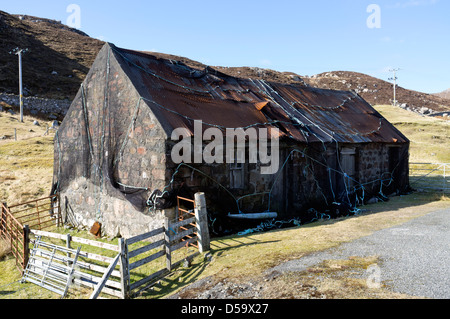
96, 257
183, 243
96, 243
182, 234
142, 237
182, 223
102, 283
146, 260
141, 250
47, 234
97, 268
145, 280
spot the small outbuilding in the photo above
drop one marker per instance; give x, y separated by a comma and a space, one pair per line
114, 150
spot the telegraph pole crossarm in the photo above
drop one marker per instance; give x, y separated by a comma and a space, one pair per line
394, 78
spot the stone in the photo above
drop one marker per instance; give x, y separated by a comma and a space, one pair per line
36, 123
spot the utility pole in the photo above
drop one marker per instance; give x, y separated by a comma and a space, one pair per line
19, 53
394, 78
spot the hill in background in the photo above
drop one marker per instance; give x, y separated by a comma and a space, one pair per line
60, 57
57, 62
445, 94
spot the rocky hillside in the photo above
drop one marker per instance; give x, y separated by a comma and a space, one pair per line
59, 58
445, 94
376, 91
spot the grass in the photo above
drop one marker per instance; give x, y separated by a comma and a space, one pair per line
26, 164
429, 136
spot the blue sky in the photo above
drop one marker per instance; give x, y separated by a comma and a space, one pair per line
305, 37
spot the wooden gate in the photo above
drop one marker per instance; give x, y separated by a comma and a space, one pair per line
17, 220
14, 233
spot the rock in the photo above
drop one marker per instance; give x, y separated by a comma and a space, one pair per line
36, 123
55, 124
11, 112
54, 73
208, 257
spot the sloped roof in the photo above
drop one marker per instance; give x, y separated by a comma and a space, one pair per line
178, 95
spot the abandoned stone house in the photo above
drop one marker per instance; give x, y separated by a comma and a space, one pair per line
113, 150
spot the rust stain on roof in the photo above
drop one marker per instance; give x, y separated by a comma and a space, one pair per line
179, 94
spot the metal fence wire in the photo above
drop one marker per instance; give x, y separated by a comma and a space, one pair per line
430, 177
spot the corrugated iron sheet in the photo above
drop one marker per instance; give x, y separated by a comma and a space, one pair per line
178, 95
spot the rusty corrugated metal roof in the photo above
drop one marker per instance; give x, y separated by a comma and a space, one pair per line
178, 94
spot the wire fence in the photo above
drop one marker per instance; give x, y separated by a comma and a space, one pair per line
430, 177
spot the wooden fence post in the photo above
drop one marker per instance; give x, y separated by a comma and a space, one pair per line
201, 216
26, 246
124, 270
68, 240
167, 244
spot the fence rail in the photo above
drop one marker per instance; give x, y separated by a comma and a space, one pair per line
114, 274
432, 177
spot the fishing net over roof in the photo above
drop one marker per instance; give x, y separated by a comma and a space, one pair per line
178, 94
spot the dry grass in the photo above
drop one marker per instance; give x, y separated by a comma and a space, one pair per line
5, 249
26, 164
429, 136
332, 279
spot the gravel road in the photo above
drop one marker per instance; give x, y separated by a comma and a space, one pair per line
415, 256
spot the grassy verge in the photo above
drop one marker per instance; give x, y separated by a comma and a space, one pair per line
429, 136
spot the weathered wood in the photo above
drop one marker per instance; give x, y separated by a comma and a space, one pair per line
182, 244
26, 248
124, 268
145, 280
167, 244
201, 216
97, 268
146, 260
94, 243
142, 237
182, 234
106, 275
182, 223
146, 248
